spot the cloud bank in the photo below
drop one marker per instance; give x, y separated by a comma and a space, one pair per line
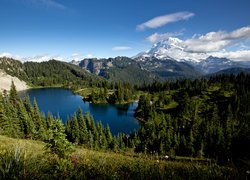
216, 41
164, 20
216, 44
47, 57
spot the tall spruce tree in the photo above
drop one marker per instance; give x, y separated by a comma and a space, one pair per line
74, 129
13, 96
38, 121
83, 132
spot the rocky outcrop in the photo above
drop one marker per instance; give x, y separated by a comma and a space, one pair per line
5, 82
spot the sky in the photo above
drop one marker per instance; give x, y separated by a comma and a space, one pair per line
75, 29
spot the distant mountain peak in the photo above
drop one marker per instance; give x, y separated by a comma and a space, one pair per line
171, 48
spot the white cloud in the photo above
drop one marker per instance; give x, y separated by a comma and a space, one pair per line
90, 56
159, 37
121, 48
41, 58
9, 55
216, 41
241, 55
231, 45
47, 57
76, 57
5, 54
165, 19
48, 3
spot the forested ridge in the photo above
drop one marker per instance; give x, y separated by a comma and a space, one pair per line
49, 73
200, 118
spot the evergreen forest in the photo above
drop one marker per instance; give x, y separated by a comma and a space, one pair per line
196, 128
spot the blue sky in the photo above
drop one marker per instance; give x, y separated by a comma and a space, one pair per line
67, 29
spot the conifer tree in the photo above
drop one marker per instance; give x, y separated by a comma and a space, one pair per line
13, 96
36, 116
49, 120
27, 125
83, 132
14, 123
74, 129
39, 122
90, 140
68, 130
108, 136
57, 143
27, 105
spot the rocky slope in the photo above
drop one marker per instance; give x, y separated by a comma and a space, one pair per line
6, 80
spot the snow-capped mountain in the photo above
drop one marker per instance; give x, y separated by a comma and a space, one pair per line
171, 48
174, 49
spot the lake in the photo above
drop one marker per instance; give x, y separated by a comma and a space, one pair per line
64, 103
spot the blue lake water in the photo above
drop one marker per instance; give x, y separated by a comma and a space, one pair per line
64, 103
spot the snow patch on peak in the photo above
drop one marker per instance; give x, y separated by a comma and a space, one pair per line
171, 48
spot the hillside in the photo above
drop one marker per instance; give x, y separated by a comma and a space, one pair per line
21, 155
49, 73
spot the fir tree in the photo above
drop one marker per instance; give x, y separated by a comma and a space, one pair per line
27, 125
39, 122
74, 129
108, 136
83, 132
57, 143
13, 96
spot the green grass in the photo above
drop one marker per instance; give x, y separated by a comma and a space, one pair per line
26, 159
171, 105
85, 92
29, 146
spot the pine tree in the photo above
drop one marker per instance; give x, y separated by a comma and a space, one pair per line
90, 140
120, 93
75, 129
13, 126
57, 143
36, 116
13, 97
39, 122
89, 122
83, 132
27, 125
68, 130
108, 136
49, 120
27, 105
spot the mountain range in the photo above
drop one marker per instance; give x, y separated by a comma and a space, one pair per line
165, 60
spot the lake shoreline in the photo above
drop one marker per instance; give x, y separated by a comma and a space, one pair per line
63, 102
